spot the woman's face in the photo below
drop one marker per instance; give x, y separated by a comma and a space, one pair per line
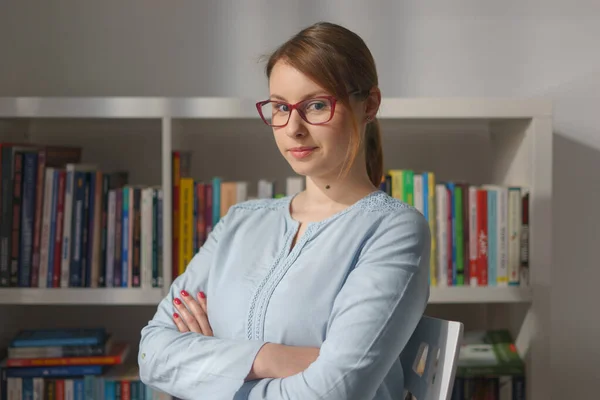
311, 150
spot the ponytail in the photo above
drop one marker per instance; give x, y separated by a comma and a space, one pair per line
374, 152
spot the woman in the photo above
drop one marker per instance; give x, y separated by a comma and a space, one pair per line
315, 295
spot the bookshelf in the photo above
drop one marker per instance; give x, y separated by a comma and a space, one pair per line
479, 140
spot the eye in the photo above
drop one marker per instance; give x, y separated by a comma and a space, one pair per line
281, 107
316, 105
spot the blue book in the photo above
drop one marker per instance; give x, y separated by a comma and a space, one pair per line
59, 337
28, 188
52, 232
216, 200
47, 372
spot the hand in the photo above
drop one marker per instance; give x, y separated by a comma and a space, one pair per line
280, 361
192, 315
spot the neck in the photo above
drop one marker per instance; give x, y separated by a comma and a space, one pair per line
346, 190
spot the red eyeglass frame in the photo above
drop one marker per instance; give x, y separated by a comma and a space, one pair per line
296, 107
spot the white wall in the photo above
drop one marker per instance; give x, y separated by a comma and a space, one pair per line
441, 48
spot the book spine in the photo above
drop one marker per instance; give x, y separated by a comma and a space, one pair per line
16, 217
97, 232
502, 226
154, 239
77, 224
50, 245
492, 238
136, 267
186, 223
38, 215
524, 253
514, 234
45, 277
59, 227
67, 227
110, 238
27, 218
175, 205
147, 240
49, 372
160, 233
474, 274
442, 234
216, 201
102, 273
118, 253
208, 209
459, 279
6, 213
125, 239
87, 226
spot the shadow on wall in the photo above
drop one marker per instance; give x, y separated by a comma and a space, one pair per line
576, 269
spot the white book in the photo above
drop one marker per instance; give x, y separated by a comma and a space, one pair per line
265, 189
241, 191
418, 193
46, 226
294, 185
514, 235
69, 389
111, 225
147, 228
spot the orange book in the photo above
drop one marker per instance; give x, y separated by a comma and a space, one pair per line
117, 355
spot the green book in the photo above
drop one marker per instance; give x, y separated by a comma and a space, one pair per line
489, 353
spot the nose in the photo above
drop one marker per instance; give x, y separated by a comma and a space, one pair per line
295, 126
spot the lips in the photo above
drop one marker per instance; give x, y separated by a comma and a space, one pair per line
302, 152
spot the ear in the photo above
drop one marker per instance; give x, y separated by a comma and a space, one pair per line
372, 103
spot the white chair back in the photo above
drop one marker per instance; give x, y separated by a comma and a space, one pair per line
430, 357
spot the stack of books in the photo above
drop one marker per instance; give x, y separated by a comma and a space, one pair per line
69, 364
489, 367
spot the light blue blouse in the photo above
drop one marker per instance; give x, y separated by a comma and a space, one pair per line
355, 285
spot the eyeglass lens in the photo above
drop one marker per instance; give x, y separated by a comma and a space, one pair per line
314, 111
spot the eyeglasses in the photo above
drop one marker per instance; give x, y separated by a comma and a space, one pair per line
316, 111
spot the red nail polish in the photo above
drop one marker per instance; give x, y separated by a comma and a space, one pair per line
175, 315
202, 295
177, 301
184, 293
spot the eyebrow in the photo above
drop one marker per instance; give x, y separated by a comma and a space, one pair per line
307, 96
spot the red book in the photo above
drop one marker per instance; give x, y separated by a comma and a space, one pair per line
482, 238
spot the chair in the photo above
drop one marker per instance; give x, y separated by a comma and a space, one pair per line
430, 357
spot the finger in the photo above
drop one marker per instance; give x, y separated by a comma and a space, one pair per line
187, 317
202, 301
179, 323
198, 313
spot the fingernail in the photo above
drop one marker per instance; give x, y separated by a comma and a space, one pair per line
184, 293
202, 295
177, 301
175, 315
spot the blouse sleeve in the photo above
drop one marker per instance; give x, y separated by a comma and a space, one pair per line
373, 317
190, 365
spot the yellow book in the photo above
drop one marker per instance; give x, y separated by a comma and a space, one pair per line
186, 223
397, 183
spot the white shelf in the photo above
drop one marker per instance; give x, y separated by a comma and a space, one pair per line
511, 144
80, 296
467, 294
229, 107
